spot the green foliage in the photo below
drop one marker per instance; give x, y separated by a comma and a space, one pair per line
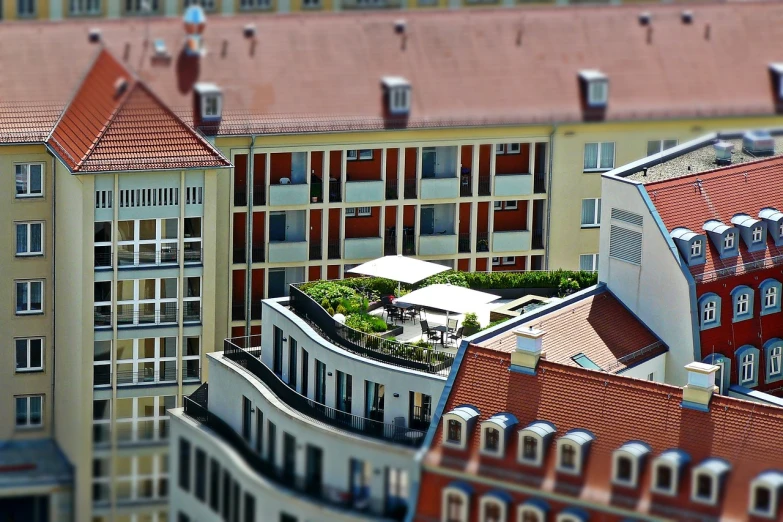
341, 310
567, 286
330, 311
449, 277
421, 343
470, 322
366, 323
331, 294
495, 323
372, 287
563, 280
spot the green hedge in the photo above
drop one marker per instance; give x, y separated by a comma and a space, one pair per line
566, 281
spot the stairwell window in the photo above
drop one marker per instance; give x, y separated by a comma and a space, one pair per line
29, 297
29, 239
591, 212
29, 354
29, 176
599, 156
29, 411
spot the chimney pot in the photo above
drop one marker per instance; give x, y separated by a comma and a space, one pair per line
686, 16
701, 385
529, 350
249, 30
400, 26
94, 35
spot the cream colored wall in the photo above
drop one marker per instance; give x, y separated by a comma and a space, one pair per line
214, 282
567, 240
13, 268
74, 329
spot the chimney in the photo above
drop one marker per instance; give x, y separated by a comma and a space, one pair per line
701, 386
530, 342
723, 151
94, 35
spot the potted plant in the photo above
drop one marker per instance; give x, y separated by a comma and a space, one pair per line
470, 324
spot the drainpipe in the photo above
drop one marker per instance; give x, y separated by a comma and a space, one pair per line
549, 194
54, 293
249, 236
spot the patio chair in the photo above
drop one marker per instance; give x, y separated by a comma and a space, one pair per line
456, 336
412, 312
427, 332
452, 325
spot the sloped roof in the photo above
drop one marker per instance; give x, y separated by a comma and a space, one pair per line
615, 410
114, 122
745, 188
304, 73
597, 325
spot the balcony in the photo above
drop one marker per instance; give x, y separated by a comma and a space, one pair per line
238, 311
287, 251
196, 407
410, 186
147, 314
103, 257
408, 245
333, 250
539, 183
259, 254
367, 345
191, 374
511, 185
290, 194
192, 254
464, 244
259, 195
420, 418
390, 246
148, 376
391, 189
439, 188
511, 241
363, 248
315, 250
482, 242
102, 316
484, 185
437, 244
364, 191
250, 360
143, 432
191, 311
129, 259
334, 191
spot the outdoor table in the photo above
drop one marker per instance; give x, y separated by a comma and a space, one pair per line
443, 329
402, 307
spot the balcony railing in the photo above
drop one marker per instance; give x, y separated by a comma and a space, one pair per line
744, 268
160, 257
315, 250
539, 183
390, 246
147, 376
240, 196
368, 345
249, 359
191, 311
143, 432
409, 245
255, 309
410, 188
190, 373
162, 314
259, 195
316, 189
238, 311
239, 255
192, 255
101, 375
335, 191
466, 187
310, 487
102, 316
333, 250
391, 189
103, 259
420, 418
463, 244
484, 186
482, 242
259, 254
537, 242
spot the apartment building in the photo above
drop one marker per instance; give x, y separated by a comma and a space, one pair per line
591, 445
698, 231
75, 9
307, 422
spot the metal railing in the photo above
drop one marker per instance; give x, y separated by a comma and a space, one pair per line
239, 255
333, 250
103, 316
249, 358
316, 190
420, 418
311, 486
463, 243
466, 189
103, 259
391, 189
539, 183
315, 250
146, 376
258, 254
192, 255
484, 186
238, 311
259, 195
368, 345
743, 268
240, 196
390, 246
410, 187
163, 313
409, 245
144, 432
482, 242
159, 257
537, 242
190, 374
191, 311
335, 191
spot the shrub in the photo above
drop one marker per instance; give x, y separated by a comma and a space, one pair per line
500, 280
332, 294
330, 311
449, 277
421, 343
495, 323
366, 323
470, 321
341, 310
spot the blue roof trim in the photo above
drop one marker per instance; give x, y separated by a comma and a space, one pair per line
755, 395
501, 495
537, 503
576, 512
683, 267
694, 406
462, 486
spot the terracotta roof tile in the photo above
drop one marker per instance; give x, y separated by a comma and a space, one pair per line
114, 122
598, 326
467, 67
616, 410
724, 192
27, 122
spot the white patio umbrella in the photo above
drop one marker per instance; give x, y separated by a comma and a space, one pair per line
449, 298
399, 268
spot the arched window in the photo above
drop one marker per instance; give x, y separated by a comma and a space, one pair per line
572, 449
454, 431
627, 462
747, 359
567, 456
492, 509
770, 290
742, 299
747, 367
724, 370
532, 442
706, 480
455, 503
765, 494
773, 354
666, 471
774, 359
709, 311
491, 439
454, 507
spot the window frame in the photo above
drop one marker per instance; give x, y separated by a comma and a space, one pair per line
352, 154
500, 149
593, 262
597, 93
492, 500
513, 148
463, 509
28, 225
85, 7
350, 212
774, 490
770, 287
28, 194
28, 351
484, 449
729, 240
675, 477
363, 211
509, 260
661, 145
758, 229
636, 453
596, 213
496, 261
703, 473
598, 157
365, 154
511, 205
28, 425
29, 310
540, 441
696, 248
530, 508
742, 295
704, 301
399, 100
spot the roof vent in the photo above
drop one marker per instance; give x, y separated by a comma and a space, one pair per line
687, 16
723, 151
758, 143
195, 19
249, 31
397, 93
160, 48
120, 85
645, 18
400, 26
94, 35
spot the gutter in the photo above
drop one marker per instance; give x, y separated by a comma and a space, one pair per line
249, 235
54, 284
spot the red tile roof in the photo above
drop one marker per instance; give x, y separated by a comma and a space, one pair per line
745, 188
469, 67
616, 410
114, 122
598, 326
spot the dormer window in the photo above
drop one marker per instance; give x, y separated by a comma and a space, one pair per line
572, 450
493, 434
758, 233
397, 92
596, 88
491, 440
690, 245
765, 494
666, 471
210, 101
728, 241
457, 424
709, 311
696, 248
742, 297
532, 442
627, 463
707, 479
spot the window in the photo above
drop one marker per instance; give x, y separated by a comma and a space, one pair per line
247, 410
599, 156
365, 154
191, 358
29, 239
146, 360
147, 241
351, 155
143, 419
29, 297
709, 311
571, 451
250, 508
364, 211
29, 411
25, 8
664, 479
513, 148
742, 305
496, 261
101, 480
597, 93
454, 431
29, 176
214, 485
770, 290
509, 260
141, 478
627, 462
510, 205
200, 473
696, 248
588, 262
770, 297
531, 514
399, 100
212, 105
500, 148
747, 367
728, 242
102, 244
101, 421
491, 440
742, 297
492, 510
29, 354
591, 212
567, 457
624, 470
529, 448
192, 242
350, 212
704, 486
656, 146
146, 301
748, 360
775, 357
455, 505
85, 7
184, 464
757, 234
762, 500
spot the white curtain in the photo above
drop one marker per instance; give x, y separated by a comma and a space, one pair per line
607, 155
21, 238
591, 156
